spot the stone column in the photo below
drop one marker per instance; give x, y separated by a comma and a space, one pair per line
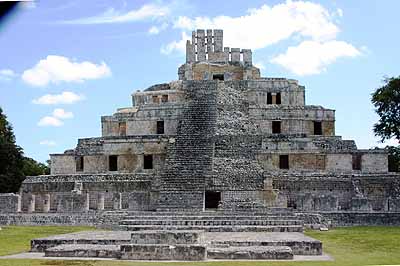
218, 41
46, 202
100, 201
86, 206
117, 200
201, 48
31, 203
235, 54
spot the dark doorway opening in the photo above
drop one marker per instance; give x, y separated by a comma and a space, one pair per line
356, 161
160, 127
278, 98
218, 77
212, 199
269, 98
148, 161
317, 128
113, 163
284, 161
79, 164
276, 127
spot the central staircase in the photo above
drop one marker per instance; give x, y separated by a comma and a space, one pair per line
212, 221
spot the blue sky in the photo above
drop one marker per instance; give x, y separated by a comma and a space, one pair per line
63, 64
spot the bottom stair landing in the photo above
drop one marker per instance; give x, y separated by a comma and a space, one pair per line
178, 245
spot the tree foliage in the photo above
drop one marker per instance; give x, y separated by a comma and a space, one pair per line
11, 158
394, 158
33, 168
386, 100
13, 165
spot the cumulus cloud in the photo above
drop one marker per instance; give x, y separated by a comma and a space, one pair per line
66, 97
62, 114
154, 30
145, 12
176, 45
267, 25
7, 74
50, 121
48, 142
312, 57
56, 69
56, 119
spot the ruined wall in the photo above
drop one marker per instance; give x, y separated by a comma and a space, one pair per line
85, 192
62, 163
9, 203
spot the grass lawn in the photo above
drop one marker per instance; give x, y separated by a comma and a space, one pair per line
348, 246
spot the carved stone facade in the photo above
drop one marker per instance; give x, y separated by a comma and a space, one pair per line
221, 137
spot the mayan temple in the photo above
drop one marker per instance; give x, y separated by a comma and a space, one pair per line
220, 150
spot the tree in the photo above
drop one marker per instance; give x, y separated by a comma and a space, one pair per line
386, 100
33, 168
11, 158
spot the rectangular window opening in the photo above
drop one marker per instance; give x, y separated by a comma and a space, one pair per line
278, 98
284, 161
218, 77
356, 161
122, 128
276, 127
164, 98
79, 164
113, 163
317, 128
269, 98
155, 99
160, 127
148, 161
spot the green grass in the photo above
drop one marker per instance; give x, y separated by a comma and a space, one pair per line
351, 246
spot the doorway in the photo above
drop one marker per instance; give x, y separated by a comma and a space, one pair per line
212, 199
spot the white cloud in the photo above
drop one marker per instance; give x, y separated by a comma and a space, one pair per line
56, 69
50, 121
7, 74
154, 30
312, 57
62, 114
56, 119
176, 45
260, 65
147, 11
267, 25
66, 97
48, 142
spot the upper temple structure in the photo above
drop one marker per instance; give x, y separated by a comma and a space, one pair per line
220, 138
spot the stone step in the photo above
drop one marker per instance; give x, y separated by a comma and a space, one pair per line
220, 228
250, 253
84, 251
188, 222
298, 242
185, 252
208, 217
81, 238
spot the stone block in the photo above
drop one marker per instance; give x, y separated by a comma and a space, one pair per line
168, 237
163, 252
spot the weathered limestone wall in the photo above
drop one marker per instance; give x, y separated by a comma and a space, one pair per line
85, 192
9, 203
374, 162
62, 163
320, 192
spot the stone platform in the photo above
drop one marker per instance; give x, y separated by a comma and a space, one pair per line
177, 245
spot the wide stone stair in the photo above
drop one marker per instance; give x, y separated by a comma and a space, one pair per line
212, 222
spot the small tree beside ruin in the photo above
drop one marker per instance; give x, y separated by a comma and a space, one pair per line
386, 101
